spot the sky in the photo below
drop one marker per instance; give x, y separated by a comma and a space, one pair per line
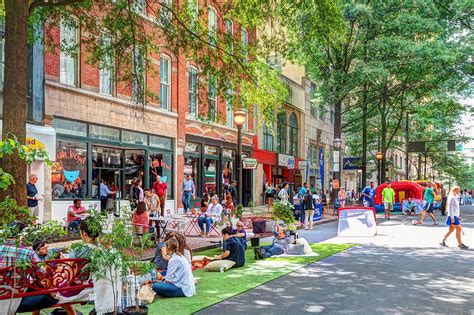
468, 124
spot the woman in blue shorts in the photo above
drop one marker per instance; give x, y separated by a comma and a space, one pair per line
453, 217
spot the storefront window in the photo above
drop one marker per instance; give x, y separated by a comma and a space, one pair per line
104, 133
106, 157
161, 164
69, 172
159, 142
134, 137
134, 168
71, 128
191, 167
293, 135
210, 176
227, 172
281, 133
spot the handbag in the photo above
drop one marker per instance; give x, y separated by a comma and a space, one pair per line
146, 294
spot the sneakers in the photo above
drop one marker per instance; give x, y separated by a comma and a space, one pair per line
257, 253
462, 246
443, 243
435, 223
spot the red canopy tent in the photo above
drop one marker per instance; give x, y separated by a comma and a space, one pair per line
403, 190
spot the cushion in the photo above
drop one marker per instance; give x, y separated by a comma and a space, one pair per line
295, 249
217, 264
307, 248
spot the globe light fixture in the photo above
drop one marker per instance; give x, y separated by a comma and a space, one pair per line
239, 118
337, 143
379, 156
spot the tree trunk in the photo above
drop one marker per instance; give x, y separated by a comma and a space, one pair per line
338, 135
419, 167
15, 92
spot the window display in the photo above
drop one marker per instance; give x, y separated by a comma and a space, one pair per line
69, 172
191, 167
162, 165
210, 176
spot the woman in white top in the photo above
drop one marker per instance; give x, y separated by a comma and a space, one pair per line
453, 217
283, 194
212, 215
179, 281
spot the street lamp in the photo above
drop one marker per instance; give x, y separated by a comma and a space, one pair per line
378, 157
337, 170
239, 120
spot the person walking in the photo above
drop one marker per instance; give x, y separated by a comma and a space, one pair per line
308, 207
233, 191
444, 200
342, 196
369, 193
429, 199
188, 191
453, 217
388, 198
104, 193
33, 196
161, 190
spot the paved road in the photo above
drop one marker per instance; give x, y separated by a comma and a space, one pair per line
402, 270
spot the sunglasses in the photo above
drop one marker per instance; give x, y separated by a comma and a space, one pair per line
240, 226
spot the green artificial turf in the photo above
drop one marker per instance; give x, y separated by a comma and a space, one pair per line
214, 287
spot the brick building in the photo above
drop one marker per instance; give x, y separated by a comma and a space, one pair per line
100, 131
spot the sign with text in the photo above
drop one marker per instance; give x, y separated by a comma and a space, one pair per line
287, 161
249, 163
351, 163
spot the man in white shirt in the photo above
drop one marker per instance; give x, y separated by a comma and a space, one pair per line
210, 216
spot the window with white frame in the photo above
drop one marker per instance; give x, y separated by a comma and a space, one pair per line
229, 36
267, 138
192, 91
229, 108
245, 43
138, 77
212, 26
165, 12
106, 68
68, 57
212, 97
165, 82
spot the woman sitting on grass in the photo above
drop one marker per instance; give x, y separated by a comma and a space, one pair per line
179, 281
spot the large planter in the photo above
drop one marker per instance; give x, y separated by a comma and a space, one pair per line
132, 311
259, 226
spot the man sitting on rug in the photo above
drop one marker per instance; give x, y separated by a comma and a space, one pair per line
409, 207
233, 249
279, 246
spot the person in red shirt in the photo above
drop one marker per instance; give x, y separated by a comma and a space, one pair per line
75, 214
161, 189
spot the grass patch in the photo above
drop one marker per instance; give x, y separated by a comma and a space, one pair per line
215, 287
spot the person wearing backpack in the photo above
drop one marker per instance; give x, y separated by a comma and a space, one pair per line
308, 207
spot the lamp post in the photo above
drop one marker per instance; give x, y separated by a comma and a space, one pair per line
337, 166
378, 157
239, 120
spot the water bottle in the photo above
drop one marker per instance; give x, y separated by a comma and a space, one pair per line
222, 269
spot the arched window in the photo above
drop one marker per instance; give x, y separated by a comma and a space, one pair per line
293, 124
281, 133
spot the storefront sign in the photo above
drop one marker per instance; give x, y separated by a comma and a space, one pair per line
191, 148
335, 160
208, 150
41, 138
302, 165
351, 163
228, 154
249, 163
287, 161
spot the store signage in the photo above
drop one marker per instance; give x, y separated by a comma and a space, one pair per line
335, 160
287, 161
351, 163
249, 163
321, 166
228, 154
302, 165
35, 144
208, 150
191, 147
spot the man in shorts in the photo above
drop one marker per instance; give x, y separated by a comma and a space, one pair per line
429, 199
388, 197
369, 193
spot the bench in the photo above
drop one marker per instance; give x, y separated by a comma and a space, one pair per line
51, 276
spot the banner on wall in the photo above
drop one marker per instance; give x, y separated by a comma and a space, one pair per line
321, 166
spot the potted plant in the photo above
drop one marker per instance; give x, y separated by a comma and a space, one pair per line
283, 213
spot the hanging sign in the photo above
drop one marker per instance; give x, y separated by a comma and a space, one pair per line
249, 163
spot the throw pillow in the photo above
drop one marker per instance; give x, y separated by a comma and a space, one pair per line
295, 249
217, 264
307, 248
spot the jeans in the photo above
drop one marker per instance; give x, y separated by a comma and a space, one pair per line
308, 216
103, 203
186, 199
270, 250
207, 221
167, 289
73, 225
